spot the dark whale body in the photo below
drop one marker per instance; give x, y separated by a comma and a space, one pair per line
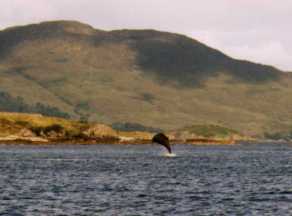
162, 139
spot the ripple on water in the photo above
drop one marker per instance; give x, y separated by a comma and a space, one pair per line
118, 180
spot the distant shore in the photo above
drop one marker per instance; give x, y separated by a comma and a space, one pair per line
36, 129
36, 141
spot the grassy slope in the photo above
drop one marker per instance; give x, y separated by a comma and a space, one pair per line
13, 123
210, 131
157, 79
51, 128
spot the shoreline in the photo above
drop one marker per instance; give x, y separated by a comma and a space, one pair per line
110, 142
199, 142
35, 129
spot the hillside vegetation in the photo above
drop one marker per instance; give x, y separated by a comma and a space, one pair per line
8, 103
209, 131
39, 128
156, 79
36, 128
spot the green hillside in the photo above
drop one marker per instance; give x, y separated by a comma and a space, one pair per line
157, 79
8, 103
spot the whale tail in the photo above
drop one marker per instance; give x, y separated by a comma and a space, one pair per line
162, 139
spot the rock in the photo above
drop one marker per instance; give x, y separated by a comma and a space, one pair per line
135, 135
24, 132
100, 130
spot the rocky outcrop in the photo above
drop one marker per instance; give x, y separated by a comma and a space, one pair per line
135, 137
16, 139
100, 130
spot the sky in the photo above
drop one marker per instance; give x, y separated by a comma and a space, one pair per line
255, 30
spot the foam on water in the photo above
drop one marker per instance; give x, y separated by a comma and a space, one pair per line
169, 155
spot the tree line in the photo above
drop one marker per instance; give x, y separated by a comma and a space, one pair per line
17, 104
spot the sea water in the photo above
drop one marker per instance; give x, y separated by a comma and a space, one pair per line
140, 180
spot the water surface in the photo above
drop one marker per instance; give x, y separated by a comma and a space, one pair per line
139, 180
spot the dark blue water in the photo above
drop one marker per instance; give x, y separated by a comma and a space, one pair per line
139, 180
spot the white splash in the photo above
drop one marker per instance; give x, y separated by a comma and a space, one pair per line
169, 155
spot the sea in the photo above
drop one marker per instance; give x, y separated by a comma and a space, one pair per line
244, 179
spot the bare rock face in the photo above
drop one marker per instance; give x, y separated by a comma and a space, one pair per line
100, 130
26, 133
183, 135
135, 135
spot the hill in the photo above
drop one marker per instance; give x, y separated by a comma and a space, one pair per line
156, 79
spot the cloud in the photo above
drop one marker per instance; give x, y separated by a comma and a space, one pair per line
19, 12
256, 30
260, 47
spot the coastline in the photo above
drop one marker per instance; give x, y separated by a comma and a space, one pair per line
36, 129
41, 141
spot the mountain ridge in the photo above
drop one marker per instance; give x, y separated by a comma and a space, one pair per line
149, 77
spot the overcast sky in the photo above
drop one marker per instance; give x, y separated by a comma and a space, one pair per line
257, 30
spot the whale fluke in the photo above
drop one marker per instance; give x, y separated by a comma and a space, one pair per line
162, 139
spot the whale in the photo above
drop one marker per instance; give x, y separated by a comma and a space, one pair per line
163, 140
